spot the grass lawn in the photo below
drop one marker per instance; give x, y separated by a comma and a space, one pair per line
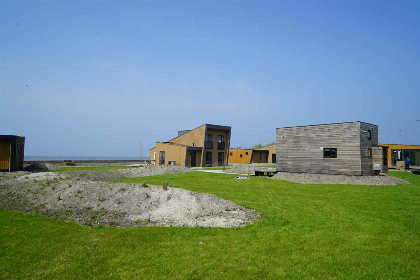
213, 168
111, 167
268, 166
308, 231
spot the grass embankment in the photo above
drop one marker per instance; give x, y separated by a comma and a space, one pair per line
308, 231
111, 167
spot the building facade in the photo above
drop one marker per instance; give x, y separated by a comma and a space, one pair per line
349, 148
248, 156
397, 152
12, 152
204, 146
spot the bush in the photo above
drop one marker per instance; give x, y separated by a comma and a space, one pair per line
144, 185
165, 186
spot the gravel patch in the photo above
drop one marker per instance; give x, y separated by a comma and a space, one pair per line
94, 203
307, 178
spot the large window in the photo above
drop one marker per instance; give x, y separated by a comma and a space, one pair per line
161, 158
246, 153
221, 142
330, 152
209, 141
273, 158
221, 159
369, 134
209, 159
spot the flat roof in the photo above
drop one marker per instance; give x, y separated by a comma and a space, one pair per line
326, 124
9, 136
399, 145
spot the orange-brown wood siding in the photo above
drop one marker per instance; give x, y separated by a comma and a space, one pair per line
235, 155
172, 153
271, 150
4, 154
259, 156
193, 138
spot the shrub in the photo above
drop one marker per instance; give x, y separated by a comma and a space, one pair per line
165, 186
144, 185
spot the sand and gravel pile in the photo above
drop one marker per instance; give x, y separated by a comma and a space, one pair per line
142, 171
306, 178
94, 203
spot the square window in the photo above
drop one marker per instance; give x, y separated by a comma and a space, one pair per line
330, 152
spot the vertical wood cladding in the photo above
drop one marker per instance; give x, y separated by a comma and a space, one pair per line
4, 154
300, 149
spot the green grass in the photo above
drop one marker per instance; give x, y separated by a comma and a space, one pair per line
73, 168
213, 168
308, 231
268, 166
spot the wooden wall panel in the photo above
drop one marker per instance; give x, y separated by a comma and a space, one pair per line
300, 149
236, 155
4, 154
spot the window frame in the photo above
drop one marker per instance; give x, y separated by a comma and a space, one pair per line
332, 152
162, 158
209, 157
223, 158
208, 143
220, 142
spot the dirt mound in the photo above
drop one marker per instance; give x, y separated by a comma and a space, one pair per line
307, 178
94, 203
37, 167
143, 171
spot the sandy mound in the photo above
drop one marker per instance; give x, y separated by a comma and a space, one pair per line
143, 171
306, 178
94, 203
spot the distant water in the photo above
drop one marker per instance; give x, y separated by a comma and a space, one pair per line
61, 158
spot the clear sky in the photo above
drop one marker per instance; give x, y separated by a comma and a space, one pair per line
92, 78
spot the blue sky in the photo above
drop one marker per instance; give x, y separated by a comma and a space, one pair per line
92, 78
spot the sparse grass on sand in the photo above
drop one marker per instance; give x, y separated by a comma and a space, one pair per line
307, 232
111, 167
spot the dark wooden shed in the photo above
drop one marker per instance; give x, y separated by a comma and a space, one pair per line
12, 153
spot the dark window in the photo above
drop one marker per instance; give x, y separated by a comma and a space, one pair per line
273, 158
369, 152
220, 142
209, 141
260, 157
208, 158
221, 159
330, 152
161, 158
369, 134
246, 153
240, 155
231, 154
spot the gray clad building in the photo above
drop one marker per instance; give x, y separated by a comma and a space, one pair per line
349, 148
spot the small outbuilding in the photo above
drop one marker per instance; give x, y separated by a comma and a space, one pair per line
349, 148
12, 153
